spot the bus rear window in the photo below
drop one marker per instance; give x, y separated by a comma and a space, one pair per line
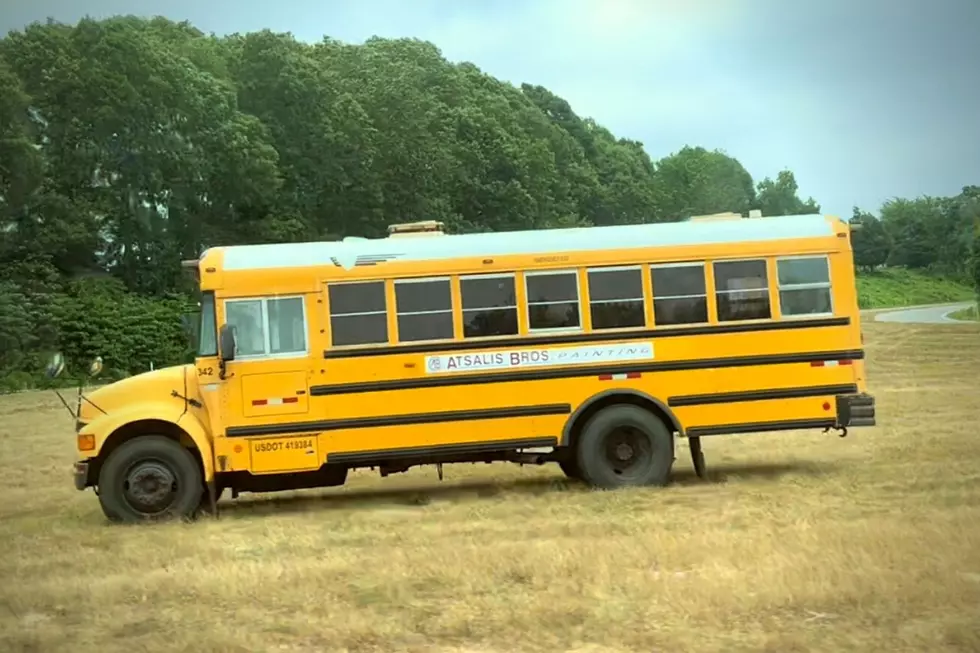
804, 286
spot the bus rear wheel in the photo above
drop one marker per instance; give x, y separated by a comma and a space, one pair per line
625, 445
150, 478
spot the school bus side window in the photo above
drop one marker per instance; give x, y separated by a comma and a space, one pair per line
552, 300
489, 305
742, 290
616, 297
358, 313
424, 309
679, 295
268, 326
804, 285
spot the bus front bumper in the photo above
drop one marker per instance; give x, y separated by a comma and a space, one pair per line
855, 410
81, 475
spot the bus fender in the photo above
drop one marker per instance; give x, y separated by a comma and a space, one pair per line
618, 395
198, 433
108, 428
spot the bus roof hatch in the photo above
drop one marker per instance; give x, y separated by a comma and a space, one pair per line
422, 228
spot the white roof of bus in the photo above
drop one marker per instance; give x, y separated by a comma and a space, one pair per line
370, 251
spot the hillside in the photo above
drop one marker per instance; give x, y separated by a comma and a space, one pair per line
891, 287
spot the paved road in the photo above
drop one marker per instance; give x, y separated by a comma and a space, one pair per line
923, 314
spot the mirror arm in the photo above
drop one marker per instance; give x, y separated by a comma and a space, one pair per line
223, 370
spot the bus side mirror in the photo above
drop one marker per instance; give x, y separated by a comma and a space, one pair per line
226, 343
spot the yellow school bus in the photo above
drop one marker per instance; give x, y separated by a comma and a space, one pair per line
593, 348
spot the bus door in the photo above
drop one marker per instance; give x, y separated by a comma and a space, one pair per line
264, 395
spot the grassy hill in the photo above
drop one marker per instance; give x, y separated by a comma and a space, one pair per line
899, 287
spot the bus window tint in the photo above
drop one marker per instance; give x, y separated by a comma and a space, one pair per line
489, 305
742, 290
552, 300
424, 309
679, 295
358, 313
804, 286
616, 298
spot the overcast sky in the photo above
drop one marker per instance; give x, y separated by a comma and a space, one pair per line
863, 99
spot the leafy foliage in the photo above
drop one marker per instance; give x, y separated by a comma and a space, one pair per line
780, 197
127, 145
870, 241
695, 181
976, 259
890, 287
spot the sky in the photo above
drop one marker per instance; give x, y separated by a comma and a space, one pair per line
864, 100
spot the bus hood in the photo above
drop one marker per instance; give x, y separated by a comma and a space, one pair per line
167, 384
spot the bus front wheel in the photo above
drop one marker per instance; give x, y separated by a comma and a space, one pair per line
150, 478
625, 445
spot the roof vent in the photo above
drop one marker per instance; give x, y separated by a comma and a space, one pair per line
423, 228
716, 216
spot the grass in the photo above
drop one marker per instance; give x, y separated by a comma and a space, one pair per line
891, 287
799, 542
968, 314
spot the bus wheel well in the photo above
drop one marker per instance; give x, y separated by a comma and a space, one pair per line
581, 417
135, 429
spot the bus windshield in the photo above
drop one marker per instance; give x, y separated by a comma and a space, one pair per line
207, 336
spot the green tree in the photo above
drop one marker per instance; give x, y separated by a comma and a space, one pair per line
963, 225
976, 260
128, 144
869, 240
780, 197
696, 181
931, 232
132, 132
970, 207
21, 164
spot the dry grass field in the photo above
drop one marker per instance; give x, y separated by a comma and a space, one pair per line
799, 542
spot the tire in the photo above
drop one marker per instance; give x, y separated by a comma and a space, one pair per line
151, 461
625, 445
569, 465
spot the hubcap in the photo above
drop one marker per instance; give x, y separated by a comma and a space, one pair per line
150, 487
623, 451
628, 450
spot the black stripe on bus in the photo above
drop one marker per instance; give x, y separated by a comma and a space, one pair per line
759, 427
449, 380
291, 428
433, 451
761, 395
540, 341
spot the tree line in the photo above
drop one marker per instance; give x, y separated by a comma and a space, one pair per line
129, 144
